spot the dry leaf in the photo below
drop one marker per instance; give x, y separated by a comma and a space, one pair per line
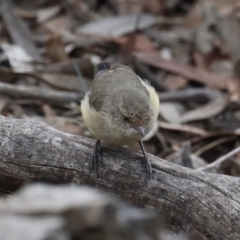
117, 26
26, 15
64, 81
45, 14
141, 42
3, 102
229, 30
18, 57
173, 82
206, 111
182, 128
128, 7
233, 86
59, 25
56, 49
67, 67
154, 6
191, 73
171, 111
48, 110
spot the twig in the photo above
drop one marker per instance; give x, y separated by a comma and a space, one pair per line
214, 144
38, 93
80, 77
216, 164
203, 94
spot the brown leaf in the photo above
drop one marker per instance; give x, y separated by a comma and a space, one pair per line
174, 112
206, 111
154, 6
55, 49
173, 82
64, 81
182, 128
233, 86
3, 102
48, 110
125, 51
191, 73
67, 67
59, 25
27, 15
141, 42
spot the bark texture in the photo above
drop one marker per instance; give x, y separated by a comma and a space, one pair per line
206, 206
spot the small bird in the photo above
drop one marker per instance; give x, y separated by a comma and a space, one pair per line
119, 109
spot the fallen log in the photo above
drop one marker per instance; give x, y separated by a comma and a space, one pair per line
204, 205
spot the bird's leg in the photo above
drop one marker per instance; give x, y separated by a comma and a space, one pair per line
145, 163
96, 157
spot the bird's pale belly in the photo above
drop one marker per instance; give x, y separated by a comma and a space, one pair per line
115, 135
102, 129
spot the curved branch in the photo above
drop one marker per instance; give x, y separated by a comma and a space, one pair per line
207, 206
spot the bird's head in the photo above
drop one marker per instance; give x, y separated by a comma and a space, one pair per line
132, 112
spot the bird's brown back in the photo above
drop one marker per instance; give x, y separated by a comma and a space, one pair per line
126, 80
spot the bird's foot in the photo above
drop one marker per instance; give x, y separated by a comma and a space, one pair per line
146, 168
96, 158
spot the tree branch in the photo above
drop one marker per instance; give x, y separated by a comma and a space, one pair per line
204, 205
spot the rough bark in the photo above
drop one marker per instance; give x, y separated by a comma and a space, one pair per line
206, 206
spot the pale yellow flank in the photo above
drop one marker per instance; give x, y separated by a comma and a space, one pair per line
153, 98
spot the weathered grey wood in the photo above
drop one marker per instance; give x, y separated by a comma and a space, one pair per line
207, 206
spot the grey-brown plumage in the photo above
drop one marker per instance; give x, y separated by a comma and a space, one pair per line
126, 80
120, 108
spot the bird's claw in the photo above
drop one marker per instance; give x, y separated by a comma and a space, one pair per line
146, 169
146, 166
96, 158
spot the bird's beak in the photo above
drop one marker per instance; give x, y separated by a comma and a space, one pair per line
141, 130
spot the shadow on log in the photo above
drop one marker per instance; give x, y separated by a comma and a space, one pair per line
206, 206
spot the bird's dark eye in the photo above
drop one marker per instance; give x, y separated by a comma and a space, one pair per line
126, 119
